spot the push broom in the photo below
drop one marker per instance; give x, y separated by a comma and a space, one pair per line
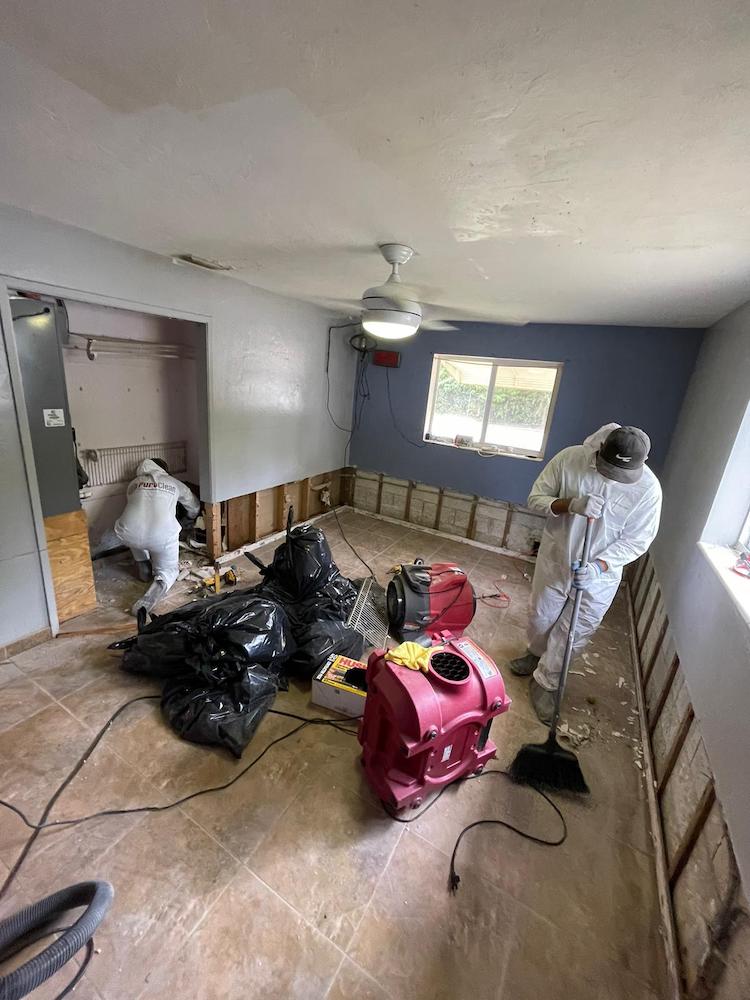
548, 763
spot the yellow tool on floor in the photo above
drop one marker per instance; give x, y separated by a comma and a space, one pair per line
412, 655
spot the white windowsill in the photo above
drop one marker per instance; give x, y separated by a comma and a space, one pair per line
483, 453
722, 559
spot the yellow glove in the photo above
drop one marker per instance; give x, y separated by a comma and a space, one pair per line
411, 655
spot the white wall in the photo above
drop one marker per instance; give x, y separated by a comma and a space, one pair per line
265, 357
119, 400
713, 639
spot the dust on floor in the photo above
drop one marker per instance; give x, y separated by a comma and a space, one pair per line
294, 883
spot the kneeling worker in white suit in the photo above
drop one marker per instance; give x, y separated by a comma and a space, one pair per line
149, 526
605, 478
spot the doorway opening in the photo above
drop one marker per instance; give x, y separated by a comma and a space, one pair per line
105, 388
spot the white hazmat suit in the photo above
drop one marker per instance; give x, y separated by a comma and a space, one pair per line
628, 525
149, 524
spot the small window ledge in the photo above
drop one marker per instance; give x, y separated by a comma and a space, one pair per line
485, 452
722, 559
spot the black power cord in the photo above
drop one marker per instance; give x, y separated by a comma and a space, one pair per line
44, 824
343, 535
414, 444
339, 326
453, 877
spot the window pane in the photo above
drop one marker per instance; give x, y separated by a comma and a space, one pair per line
460, 399
520, 404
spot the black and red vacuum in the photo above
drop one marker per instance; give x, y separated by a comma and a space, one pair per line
429, 600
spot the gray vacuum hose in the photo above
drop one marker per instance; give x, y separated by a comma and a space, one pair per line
95, 896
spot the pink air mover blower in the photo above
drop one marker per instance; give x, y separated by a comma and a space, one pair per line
421, 731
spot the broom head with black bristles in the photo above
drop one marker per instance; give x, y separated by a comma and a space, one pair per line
550, 765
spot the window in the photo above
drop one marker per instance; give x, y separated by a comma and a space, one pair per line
493, 405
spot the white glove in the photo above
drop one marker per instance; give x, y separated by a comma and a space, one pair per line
584, 576
591, 506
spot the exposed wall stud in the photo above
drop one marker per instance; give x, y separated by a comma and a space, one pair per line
664, 694
439, 508
472, 517
407, 509
694, 829
649, 669
674, 751
304, 499
213, 530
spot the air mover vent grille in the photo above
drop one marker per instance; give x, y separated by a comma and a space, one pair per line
449, 666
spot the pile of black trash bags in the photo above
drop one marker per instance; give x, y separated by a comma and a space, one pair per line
223, 659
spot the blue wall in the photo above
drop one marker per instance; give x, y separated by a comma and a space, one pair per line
631, 375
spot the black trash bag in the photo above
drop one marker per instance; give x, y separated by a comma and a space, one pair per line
245, 628
317, 640
225, 716
214, 641
159, 654
302, 563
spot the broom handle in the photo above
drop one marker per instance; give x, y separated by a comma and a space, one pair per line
571, 632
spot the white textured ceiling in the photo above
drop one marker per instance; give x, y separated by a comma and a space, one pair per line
550, 160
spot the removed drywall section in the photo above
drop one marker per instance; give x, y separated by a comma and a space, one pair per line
710, 632
703, 889
632, 375
502, 525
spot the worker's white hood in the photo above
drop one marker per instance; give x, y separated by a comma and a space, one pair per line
596, 440
150, 468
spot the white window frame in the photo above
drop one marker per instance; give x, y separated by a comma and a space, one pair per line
482, 447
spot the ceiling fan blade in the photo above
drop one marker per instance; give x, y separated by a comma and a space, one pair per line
437, 325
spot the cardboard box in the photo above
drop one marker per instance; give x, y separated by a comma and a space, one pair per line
330, 690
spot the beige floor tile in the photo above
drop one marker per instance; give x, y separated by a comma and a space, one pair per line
20, 698
9, 672
251, 946
94, 703
352, 983
36, 755
64, 665
334, 873
418, 940
563, 963
166, 873
605, 889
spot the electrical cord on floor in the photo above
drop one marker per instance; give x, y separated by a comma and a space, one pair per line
44, 824
364, 562
454, 878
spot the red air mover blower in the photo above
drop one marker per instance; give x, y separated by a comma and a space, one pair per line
421, 731
430, 599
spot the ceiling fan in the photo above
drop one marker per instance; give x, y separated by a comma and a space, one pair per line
391, 311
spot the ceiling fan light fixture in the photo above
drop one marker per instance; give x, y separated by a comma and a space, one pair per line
390, 324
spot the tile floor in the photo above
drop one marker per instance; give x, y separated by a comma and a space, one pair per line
294, 884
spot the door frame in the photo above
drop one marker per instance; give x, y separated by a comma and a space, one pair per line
203, 372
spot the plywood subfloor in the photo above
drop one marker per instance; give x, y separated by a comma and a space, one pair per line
294, 884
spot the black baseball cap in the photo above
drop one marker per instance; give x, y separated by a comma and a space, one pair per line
623, 454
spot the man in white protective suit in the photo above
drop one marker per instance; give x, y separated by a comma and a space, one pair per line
605, 478
149, 526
